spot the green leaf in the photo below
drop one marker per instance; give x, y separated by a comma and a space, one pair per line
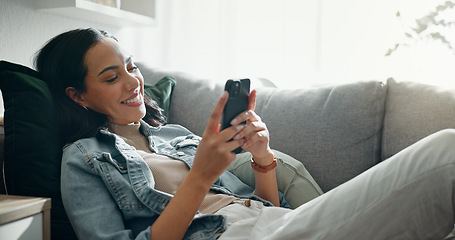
391, 50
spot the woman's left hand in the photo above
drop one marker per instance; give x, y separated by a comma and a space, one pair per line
256, 140
255, 134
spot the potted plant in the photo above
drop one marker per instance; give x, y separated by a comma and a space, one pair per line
435, 26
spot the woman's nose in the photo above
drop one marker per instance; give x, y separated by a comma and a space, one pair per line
132, 82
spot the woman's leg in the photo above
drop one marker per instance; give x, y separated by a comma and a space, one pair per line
409, 196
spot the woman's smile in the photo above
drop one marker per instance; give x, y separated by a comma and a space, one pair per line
134, 101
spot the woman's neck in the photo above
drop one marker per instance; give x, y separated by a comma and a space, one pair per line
125, 130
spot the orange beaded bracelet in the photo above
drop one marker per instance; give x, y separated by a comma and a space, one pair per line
263, 169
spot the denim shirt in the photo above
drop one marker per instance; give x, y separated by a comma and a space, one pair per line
109, 191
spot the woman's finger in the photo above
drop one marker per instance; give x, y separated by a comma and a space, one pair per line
213, 125
248, 116
252, 100
256, 137
230, 132
250, 129
232, 145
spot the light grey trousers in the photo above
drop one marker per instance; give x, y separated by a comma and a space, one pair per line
409, 196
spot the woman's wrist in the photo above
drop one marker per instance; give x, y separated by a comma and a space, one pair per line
198, 182
264, 164
265, 159
263, 169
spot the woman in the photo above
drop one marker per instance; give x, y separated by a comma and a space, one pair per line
123, 178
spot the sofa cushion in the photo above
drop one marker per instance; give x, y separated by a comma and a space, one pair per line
161, 92
30, 132
294, 181
2, 148
414, 111
32, 152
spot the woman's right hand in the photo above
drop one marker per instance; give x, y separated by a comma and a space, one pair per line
213, 156
214, 153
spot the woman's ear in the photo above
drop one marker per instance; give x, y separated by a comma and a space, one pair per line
74, 94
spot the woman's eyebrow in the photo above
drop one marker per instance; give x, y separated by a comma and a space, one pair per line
128, 60
107, 69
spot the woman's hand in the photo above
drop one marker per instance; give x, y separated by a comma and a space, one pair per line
214, 153
255, 133
256, 140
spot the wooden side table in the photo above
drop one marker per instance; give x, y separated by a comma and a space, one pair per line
25, 217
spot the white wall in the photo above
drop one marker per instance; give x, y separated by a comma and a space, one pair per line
239, 38
292, 42
357, 33
24, 30
213, 38
300, 43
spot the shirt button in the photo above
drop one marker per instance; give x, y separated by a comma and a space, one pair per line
180, 153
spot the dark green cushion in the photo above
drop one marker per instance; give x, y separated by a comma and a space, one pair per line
30, 134
161, 92
32, 152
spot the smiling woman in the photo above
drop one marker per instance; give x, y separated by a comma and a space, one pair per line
100, 94
79, 82
143, 181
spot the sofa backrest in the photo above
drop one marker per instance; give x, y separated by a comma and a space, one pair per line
334, 131
414, 111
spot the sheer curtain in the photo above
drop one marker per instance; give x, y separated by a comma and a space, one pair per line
295, 43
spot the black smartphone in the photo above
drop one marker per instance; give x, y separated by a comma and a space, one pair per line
239, 91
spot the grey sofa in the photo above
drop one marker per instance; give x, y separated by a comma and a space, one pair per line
338, 131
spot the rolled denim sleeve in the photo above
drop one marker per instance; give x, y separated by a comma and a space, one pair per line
92, 210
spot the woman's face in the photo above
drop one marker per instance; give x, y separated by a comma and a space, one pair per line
114, 85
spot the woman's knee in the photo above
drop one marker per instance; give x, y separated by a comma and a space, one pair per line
439, 144
446, 138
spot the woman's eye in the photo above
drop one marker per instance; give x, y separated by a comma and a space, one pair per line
112, 79
132, 68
